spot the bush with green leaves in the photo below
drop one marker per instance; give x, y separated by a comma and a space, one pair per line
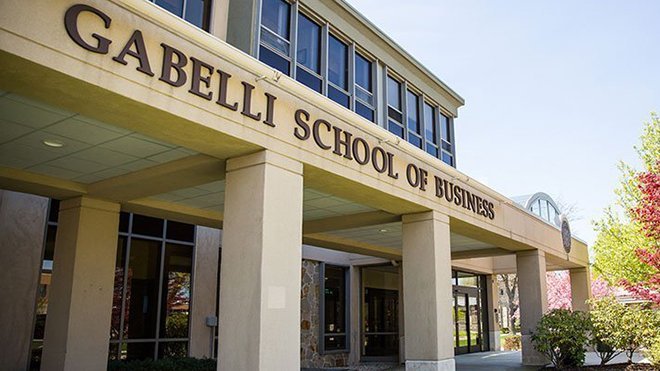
639, 327
165, 364
652, 351
607, 316
562, 335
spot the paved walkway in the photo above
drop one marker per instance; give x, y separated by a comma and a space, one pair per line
492, 361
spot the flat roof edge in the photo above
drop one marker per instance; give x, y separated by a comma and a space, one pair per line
394, 45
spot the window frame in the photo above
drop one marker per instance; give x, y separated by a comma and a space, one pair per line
347, 306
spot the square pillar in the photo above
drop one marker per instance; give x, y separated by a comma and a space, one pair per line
22, 227
78, 323
204, 291
427, 292
580, 288
492, 308
261, 264
533, 296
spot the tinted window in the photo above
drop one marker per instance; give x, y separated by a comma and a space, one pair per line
430, 125
363, 72
338, 63
275, 16
309, 44
412, 101
393, 93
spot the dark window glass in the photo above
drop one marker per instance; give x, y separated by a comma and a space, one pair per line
446, 146
364, 111
415, 140
412, 108
338, 63
49, 250
142, 289
308, 51
173, 6
180, 231
430, 125
147, 226
447, 158
393, 93
135, 351
432, 150
113, 352
275, 16
175, 306
335, 308
53, 211
309, 80
394, 114
338, 96
395, 128
274, 60
124, 219
363, 72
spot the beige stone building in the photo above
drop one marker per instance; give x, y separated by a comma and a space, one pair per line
270, 183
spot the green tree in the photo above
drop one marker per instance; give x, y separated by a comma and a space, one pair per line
620, 233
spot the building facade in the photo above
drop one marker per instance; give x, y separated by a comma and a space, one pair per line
269, 183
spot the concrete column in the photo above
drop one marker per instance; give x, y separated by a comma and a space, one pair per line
355, 309
78, 323
204, 291
532, 293
261, 264
580, 288
493, 297
427, 292
22, 227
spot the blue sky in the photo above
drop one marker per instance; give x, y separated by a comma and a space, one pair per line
556, 91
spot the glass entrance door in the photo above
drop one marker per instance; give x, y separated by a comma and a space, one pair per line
381, 324
467, 321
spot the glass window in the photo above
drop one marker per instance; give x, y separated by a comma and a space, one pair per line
363, 73
275, 17
334, 308
175, 306
544, 209
194, 11
414, 127
364, 99
308, 51
338, 63
393, 93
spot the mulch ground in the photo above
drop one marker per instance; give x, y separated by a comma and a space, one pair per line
618, 366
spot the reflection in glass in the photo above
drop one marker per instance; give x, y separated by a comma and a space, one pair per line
275, 16
308, 51
335, 308
338, 63
473, 308
393, 93
461, 320
175, 307
118, 290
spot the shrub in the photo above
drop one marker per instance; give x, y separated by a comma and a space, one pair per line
652, 352
606, 318
639, 327
166, 364
512, 342
562, 336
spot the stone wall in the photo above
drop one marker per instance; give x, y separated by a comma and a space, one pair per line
309, 321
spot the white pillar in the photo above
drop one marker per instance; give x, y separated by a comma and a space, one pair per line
22, 226
261, 264
533, 296
204, 291
427, 292
580, 288
78, 323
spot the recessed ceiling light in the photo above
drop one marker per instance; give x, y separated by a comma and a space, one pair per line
53, 143
382, 230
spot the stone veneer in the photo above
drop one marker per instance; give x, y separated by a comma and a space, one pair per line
309, 322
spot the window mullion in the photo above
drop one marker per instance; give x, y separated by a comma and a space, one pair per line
403, 88
324, 57
293, 41
351, 76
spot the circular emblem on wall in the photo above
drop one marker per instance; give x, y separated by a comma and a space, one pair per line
565, 234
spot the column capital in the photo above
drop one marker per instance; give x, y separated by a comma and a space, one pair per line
91, 203
265, 157
423, 216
